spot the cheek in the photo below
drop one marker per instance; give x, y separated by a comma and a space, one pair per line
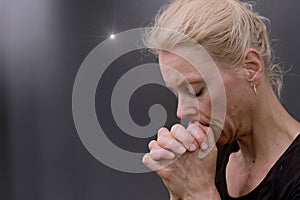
238, 99
205, 107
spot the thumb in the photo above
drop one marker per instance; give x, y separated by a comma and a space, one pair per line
208, 144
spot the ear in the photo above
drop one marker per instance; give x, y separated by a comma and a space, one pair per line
254, 66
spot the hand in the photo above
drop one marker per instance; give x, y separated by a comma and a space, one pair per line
175, 158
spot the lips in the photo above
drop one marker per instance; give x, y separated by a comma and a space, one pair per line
199, 122
204, 124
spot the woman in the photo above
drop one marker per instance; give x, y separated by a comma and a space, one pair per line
258, 149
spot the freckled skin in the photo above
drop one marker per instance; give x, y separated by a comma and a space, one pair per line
239, 104
258, 122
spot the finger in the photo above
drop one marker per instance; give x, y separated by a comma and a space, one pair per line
203, 127
167, 141
153, 145
208, 144
152, 164
183, 136
162, 131
158, 153
162, 154
197, 133
149, 162
210, 136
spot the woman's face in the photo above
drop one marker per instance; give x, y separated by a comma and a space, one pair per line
194, 99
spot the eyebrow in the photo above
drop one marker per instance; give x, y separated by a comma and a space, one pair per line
191, 81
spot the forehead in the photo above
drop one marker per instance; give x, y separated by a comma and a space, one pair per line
176, 69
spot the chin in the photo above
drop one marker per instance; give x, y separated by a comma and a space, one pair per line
222, 140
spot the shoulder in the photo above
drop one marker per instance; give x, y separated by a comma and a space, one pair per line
285, 176
289, 162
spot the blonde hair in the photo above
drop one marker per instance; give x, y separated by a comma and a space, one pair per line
225, 28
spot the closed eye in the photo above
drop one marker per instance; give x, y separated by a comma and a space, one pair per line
199, 93
197, 90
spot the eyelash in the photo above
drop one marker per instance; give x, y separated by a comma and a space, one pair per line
199, 93
190, 93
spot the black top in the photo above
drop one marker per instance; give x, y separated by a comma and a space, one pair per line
281, 182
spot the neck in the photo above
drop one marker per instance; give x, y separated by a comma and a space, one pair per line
273, 130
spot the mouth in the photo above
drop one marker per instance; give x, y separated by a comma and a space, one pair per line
205, 124
215, 128
200, 122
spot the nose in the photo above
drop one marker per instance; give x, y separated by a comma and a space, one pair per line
187, 109
179, 110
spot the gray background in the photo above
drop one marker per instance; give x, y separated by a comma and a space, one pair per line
42, 44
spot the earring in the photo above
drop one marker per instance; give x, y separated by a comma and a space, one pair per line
254, 88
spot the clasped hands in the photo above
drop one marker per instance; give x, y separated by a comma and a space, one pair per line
185, 159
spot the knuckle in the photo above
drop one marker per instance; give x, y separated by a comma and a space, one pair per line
162, 131
172, 144
197, 134
176, 128
200, 137
145, 159
156, 155
177, 131
152, 144
165, 141
182, 135
192, 127
161, 141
